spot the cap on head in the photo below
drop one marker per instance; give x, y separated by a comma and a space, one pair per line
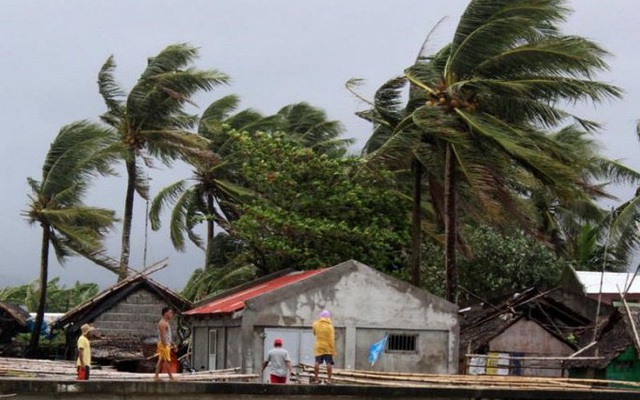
86, 328
325, 314
277, 342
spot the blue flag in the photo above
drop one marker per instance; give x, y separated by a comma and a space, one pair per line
376, 348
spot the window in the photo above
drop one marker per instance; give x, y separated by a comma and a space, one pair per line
397, 343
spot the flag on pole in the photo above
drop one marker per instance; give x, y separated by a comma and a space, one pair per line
376, 348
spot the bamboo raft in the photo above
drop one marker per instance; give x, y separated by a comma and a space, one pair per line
66, 370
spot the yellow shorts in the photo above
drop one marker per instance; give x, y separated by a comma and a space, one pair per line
164, 352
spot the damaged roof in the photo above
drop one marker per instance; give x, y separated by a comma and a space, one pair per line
484, 322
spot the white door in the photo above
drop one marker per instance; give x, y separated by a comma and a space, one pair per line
307, 341
298, 342
213, 345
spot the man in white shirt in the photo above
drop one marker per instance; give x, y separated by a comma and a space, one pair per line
280, 363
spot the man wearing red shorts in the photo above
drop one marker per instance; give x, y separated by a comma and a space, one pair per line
280, 363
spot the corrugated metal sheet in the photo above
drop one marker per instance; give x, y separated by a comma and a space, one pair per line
235, 302
612, 282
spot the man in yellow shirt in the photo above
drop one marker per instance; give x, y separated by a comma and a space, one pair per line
83, 363
324, 348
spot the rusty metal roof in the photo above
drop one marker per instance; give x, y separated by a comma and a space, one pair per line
236, 301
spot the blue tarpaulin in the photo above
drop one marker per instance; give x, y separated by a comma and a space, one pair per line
376, 348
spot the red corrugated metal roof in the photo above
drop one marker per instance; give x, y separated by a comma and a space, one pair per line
235, 302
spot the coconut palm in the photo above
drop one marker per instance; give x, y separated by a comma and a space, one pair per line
151, 121
494, 90
209, 196
56, 203
578, 228
311, 128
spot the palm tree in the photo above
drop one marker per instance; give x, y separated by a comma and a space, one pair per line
579, 228
311, 128
151, 120
72, 228
505, 76
215, 189
494, 90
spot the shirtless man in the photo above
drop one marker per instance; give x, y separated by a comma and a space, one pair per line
165, 343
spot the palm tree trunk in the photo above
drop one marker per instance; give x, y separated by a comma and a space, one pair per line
450, 227
210, 232
128, 215
42, 302
416, 220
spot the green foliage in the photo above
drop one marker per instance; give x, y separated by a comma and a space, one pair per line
507, 263
59, 297
500, 263
312, 210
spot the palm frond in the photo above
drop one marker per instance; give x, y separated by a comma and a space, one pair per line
167, 196
112, 93
489, 27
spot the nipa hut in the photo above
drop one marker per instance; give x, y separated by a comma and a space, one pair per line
615, 352
125, 316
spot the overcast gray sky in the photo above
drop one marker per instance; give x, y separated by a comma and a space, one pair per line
277, 52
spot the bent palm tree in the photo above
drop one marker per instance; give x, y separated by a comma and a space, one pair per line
215, 187
311, 128
72, 228
151, 121
495, 89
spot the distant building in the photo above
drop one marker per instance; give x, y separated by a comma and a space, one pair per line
610, 284
236, 328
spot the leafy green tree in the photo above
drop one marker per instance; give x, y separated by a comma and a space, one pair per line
215, 192
56, 203
313, 210
151, 120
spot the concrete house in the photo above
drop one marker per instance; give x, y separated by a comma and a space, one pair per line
237, 327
